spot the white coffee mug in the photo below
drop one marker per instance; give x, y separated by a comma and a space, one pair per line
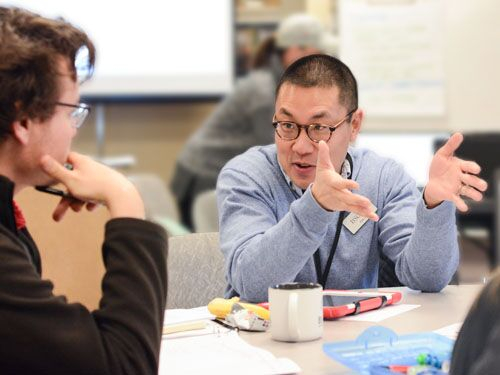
296, 311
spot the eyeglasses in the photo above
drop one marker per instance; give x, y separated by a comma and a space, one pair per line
78, 114
289, 131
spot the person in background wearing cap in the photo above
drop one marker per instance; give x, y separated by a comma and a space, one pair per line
42, 62
310, 208
241, 120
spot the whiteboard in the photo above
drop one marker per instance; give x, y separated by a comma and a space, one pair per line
152, 48
395, 50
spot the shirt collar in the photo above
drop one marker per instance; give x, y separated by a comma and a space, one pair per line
345, 173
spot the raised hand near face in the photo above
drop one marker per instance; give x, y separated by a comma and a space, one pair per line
333, 192
451, 178
90, 181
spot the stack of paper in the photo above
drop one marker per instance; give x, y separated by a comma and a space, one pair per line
176, 316
187, 322
223, 353
213, 349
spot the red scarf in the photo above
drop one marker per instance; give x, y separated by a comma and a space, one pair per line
20, 220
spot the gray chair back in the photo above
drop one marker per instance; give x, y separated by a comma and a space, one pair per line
158, 199
205, 213
195, 270
387, 273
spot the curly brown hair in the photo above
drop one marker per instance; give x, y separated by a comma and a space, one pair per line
30, 48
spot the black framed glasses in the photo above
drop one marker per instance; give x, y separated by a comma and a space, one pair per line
289, 131
78, 114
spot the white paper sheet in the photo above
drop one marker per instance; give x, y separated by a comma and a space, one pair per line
224, 353
210, 328
450, 331
396, 51
381, 314
176, 316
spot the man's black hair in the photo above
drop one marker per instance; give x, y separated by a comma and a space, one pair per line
323, 71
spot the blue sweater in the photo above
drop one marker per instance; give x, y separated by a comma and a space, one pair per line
268, 235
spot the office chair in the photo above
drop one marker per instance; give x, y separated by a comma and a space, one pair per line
195, 270
159, 202
386, 273
205, 214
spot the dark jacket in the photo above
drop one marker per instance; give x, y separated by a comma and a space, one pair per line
41, 333
477, 349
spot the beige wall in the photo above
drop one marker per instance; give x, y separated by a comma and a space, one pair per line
153, 133
70, 250
473, 64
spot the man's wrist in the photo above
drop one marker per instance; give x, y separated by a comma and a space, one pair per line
125, 202
311, 187
429, 202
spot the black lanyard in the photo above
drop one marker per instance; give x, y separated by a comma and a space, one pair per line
323, 276
317, 261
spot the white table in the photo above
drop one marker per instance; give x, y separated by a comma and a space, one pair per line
437, 310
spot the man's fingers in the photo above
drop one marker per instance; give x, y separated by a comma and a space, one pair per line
474, 181
61, 209
350, 200
91, 206
372, 216
76, 205
469, 167
323, 161
351, 185
470, 192
451, 145
459, 202
53, 168
74, 157
368, 213
363, 211
340, 183
361, 201
334, 180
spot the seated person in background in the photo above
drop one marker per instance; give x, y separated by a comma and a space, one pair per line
286, 209
477, 348
39, 115
241, 120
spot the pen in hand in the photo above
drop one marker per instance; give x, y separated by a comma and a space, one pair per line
58, 192
54, 191
63, 194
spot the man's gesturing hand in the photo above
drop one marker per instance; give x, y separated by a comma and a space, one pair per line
451, 177
332, 191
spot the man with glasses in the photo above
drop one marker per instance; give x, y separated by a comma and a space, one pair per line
78, 114
41, 66
240, 121
312, 209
